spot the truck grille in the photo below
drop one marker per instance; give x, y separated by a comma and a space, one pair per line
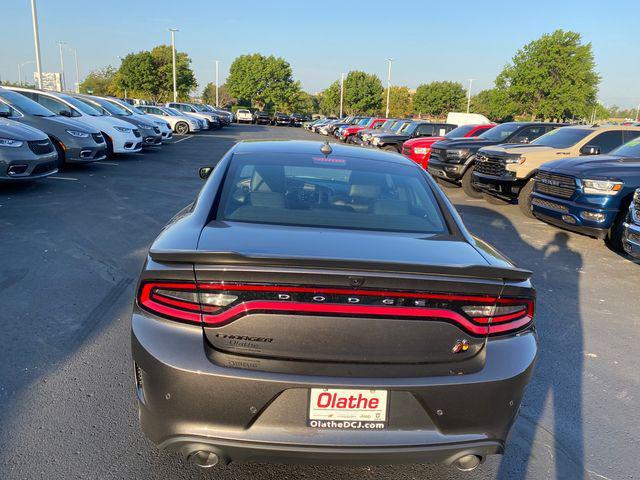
490, 166
636, 201
439, 153
40, 147
555, 185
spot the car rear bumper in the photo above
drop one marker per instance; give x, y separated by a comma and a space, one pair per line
447, 171
243, 413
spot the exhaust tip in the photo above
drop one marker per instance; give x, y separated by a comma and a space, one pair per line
204, 459
468, 463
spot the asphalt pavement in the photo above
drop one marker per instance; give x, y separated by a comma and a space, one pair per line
71, 248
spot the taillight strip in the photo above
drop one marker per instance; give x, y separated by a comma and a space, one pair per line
299, 307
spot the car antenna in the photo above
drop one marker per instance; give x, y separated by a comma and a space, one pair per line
326, 148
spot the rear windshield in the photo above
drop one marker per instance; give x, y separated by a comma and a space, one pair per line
460, 131
25, 105
629, 149
501, 132
562, 137
347, 193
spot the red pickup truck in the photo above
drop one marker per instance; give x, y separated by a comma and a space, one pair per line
419, 149
347, 134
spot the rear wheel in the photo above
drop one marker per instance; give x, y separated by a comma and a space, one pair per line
182, 128
467, 185
524, 199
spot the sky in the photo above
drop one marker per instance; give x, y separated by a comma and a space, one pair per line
428, 40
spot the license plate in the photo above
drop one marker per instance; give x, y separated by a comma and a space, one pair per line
347, 409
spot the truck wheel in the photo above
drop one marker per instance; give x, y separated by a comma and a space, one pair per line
182, 128
524, 199
467, 185
390, 148
616, 232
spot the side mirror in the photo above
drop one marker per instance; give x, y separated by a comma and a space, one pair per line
590, 150
204, 172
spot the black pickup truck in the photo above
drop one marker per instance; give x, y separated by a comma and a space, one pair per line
261, 118
393, 141
452, 161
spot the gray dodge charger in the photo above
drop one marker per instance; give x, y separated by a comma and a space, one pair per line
326, 304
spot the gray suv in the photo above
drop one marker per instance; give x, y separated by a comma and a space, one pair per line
25, 152
73, 141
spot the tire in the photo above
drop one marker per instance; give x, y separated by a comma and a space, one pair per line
182, 128
616, 232
467, 185
495, 200
524, 199
390, 148
109, 143
61, 161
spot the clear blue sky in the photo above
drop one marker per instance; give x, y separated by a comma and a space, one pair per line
429, 40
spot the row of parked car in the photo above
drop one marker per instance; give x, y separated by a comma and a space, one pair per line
577, 177
259, 117
42, 131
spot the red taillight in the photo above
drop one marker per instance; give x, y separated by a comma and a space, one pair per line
217, 304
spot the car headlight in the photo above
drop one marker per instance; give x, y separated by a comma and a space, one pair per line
77, 133
123, 129
376, 140
601, 187
519, 160
421, 150
457, 153
9, 142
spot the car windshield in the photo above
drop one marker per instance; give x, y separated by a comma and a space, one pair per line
83, 107
198, 108
25, 105
316, 191
173, 111
499, 133
136, 110
112, 108
365, 121
409, 128
629, 149
562, 137
398, 126
460, 131
386, 125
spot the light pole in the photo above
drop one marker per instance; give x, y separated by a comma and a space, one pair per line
469, 95
637, 112
63, 87
388, 86
173, 52
217, 84
36, 41
341, 92
75, 55
20, 65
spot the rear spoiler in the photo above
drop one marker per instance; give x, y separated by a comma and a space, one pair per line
489, 272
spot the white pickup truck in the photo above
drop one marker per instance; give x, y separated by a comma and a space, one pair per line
244, 115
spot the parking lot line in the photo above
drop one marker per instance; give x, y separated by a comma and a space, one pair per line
62, 178
183, 139
109, 163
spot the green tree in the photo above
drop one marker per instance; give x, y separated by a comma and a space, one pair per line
225, 99
439, 98
552, 77
260, 81
150, 74
330, 99
399, 102
100, 82
494, 104
362, 93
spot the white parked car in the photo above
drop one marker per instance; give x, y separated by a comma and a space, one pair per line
203, 122
120, 136
179, 122
244, 115
165, 128
191, 109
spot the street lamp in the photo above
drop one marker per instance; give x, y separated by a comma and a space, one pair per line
388, 86
217, 84
36, 41
20, 65
341, 92
637, 113
62, 82
173, 52
75, 55
469, 95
